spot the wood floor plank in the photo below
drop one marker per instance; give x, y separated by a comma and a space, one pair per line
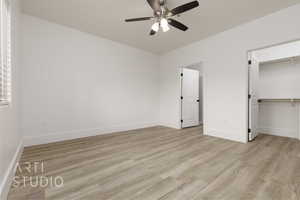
161, 163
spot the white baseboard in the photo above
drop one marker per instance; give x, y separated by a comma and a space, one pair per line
174, 126
230, 135
282, 132
10, 172
170, 124
69, 135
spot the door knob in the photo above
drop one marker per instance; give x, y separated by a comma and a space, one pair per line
198, 100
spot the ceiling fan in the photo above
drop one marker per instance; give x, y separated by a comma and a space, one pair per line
162, 15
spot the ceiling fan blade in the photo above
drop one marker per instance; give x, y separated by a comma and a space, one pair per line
152, 32
155, 5
138, 19
177, 24
185, 7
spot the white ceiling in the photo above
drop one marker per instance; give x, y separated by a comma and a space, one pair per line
105, 18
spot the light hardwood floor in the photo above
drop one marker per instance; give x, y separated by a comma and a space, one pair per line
163, 163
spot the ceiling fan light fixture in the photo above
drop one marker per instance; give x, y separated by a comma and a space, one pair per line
164, 17
164, 25
166, 29
155, 26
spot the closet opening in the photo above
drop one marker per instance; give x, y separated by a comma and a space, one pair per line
191, 99
274, 91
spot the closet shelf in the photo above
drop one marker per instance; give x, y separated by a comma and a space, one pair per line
278, 100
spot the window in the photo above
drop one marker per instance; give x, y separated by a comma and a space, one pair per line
5, 52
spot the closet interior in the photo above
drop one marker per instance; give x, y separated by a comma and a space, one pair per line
274, 88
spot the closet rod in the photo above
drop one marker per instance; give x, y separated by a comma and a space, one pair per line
278, 100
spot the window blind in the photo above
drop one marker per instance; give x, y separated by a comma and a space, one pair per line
5, 51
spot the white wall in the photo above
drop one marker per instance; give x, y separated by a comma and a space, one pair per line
280, 119
279, 80
75, 84
224, 58
10, 137
287, 50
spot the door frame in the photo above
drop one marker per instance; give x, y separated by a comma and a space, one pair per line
251, 61
248, 98
248, 53
180, 93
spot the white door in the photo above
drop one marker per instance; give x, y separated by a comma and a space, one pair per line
190, 98
253, 99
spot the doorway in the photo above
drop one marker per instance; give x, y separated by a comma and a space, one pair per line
191, 96
274, 91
